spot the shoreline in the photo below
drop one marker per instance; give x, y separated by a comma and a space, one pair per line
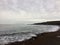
48, 38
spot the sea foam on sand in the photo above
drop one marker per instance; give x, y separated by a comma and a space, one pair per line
25, 32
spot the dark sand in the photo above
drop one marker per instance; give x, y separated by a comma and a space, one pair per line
41, 39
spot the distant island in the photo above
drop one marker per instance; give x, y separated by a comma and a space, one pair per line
48, 23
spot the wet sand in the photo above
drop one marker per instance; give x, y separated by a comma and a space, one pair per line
48, 38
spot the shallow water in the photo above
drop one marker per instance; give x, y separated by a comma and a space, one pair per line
12, 33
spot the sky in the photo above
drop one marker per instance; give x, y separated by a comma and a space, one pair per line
16, 11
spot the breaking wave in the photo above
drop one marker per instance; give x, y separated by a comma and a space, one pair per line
25, 33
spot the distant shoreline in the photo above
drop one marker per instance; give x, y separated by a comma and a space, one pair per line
48, 23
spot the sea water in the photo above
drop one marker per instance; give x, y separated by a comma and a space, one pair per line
19, 32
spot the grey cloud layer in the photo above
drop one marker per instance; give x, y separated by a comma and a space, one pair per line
30, 10
29, 5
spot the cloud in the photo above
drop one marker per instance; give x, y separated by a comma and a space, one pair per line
14, 11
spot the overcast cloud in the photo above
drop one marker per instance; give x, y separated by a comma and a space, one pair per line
14, 11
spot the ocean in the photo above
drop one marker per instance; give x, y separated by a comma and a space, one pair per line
20, 32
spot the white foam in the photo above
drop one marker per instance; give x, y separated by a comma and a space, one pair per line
30, 32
